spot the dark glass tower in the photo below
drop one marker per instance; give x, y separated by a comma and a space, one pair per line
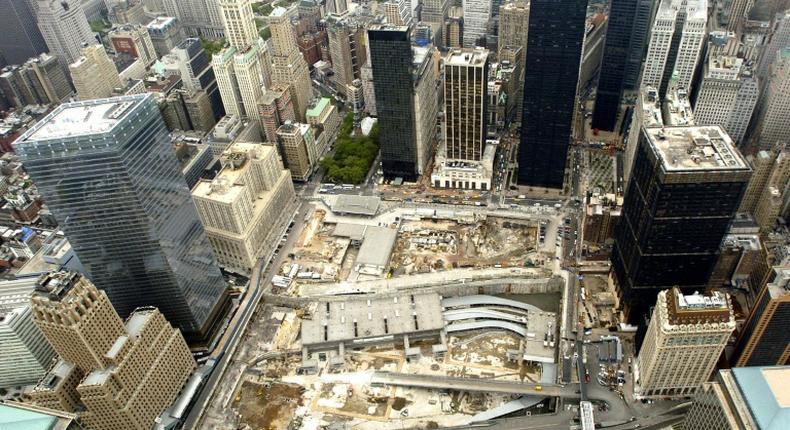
21, 38
685, 187
556, 32
391, 61
622, 57
200, 64
108, 173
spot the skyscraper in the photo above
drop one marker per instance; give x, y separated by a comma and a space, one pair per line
477, 13
126, 373
336, 7
406, 100
685, 186
64, 27
298, 149
676, 41
465, 103
780, 38
94, 74
242, 70
556, 32
21, 37
200, 18
765, 339
289, 66
622, 57
737, 14
193, 65
110, 177
773, 110
741, 399
686, 336
514, 33
347, 50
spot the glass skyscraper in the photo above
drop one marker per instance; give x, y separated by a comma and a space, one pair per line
108, 173
21, 36
391, 61
622, 57
554, 48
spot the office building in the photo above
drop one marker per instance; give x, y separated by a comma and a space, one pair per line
465, 103
276, 109
190, 61
773, 110
780, 38
166, 33
64, 27
453, 31
133, 370
94, 74
684, 340
556, 32
626, 31
777, 186
336, 7
40, 80
435, 11
199, 18
647, 113
676, 42
764, 339
513, 25
246, 207
138, 235
134, 40
736, 14
26, 354
685, 186
762, 165
742, 399
406, 100
323, 116
347, 50
397, 12
297, 146
289, 66
21, 39
676, 108
726, 95
477, 13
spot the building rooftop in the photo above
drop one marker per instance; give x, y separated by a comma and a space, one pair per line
161, 22
466, 57
335, 321
18, 416
695, 148
767, 394
82, 118
694, 309
15, 293
651, 107
227, 186
356, 205
376, 248
318, 107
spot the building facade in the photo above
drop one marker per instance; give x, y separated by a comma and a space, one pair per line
125, 207
764, 339
465, 103
132, 371
22, 39
134, 40
200, 18
556, 33
289, 66
348, 52
774, 108
64, 27
685, 186
726, 95
399, 76
245, 208
276, 109
684, 340
94, 74
298, 148
626, 32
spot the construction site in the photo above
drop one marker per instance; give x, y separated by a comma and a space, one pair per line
335, 363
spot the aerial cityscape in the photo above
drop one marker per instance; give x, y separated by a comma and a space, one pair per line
394, 214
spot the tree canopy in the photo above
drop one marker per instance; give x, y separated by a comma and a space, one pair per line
353, 154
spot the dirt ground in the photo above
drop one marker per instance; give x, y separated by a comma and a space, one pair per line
267, 406
425, 246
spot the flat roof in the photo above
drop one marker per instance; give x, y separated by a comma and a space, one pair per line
138, 320
695, 148
370, 314
376, 248
161, 22
83, 118
466, 57
228, 185
16, 293
356, 205
21, 419
319, 107
767, 394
